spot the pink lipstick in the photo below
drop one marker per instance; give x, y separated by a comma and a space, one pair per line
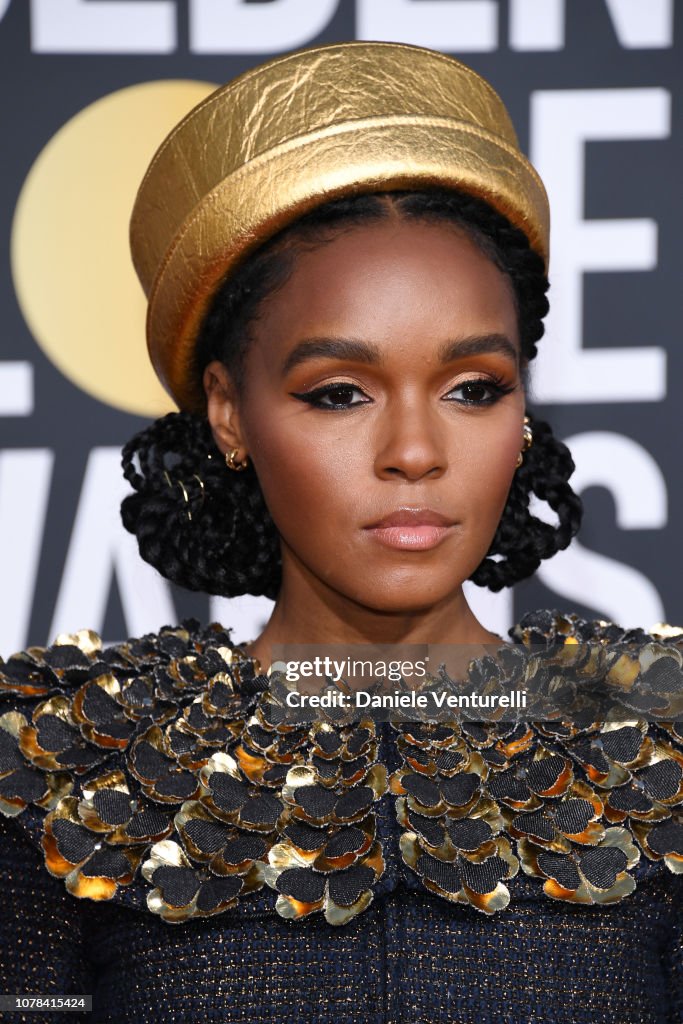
411, 529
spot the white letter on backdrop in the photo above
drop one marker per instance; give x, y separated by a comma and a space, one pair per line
100, 546
16, 388
618, 591
459, 25
246, 615
25, 476
561, 123
537, 24
642, 26
494, 610
103, 26
540, 24
231, 26
24, 489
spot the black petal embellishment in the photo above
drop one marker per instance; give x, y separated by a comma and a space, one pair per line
483, 877
112, 805
469, 833
661, 780
628, 798
108, 863
346, 840
573, 816
216, 891
24, 785
543, 775
178, 886
666, 838
424, 790
445, 876
355, 802
347, 886
561, 868
317, 801
622, 744
74, 842
460, 789
602, 865
303, 884
536, 825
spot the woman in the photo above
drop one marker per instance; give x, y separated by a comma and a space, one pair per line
344, 253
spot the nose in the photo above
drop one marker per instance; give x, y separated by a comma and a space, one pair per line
410, 442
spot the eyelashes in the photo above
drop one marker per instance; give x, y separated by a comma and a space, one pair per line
317, 395
497, 389
338, 397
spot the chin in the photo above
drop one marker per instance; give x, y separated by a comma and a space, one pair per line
405, 596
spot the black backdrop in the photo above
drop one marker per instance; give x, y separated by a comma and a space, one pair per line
594, 88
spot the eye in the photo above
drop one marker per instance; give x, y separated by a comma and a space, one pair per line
481, 391
333, 396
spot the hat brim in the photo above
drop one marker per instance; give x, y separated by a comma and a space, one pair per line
269, 192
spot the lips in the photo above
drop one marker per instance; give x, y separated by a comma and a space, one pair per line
411, 529
411, 517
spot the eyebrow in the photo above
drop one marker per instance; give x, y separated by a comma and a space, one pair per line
352, 349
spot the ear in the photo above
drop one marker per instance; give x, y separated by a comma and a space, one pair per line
222, 408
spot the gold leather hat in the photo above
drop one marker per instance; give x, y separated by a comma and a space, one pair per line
293, 133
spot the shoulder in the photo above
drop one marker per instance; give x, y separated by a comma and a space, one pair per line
617, 671
600, 676
76, 717
546, 625
123, 677
100, 746
75, 656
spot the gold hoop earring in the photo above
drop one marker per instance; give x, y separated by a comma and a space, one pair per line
232, 463
528, 440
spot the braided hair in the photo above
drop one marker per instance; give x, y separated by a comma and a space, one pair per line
209, 529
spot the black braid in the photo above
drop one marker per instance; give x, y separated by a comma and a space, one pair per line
230, 545
522, 538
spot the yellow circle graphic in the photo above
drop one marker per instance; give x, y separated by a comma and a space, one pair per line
70, 259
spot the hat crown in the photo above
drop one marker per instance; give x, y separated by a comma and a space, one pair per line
293, 96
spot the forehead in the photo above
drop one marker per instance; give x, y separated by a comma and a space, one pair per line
391, 276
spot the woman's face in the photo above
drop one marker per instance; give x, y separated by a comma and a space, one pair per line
382, 410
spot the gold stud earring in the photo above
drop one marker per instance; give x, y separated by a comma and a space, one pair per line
528, 439
232, 463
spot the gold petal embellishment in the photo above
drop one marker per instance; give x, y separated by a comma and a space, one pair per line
164, 765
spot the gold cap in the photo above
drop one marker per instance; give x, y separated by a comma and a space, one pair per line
293, 133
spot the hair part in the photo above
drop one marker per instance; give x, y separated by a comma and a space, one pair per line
225, 333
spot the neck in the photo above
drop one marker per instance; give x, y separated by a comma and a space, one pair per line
307, 612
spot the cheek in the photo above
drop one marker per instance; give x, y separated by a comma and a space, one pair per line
487, 470
306, 478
